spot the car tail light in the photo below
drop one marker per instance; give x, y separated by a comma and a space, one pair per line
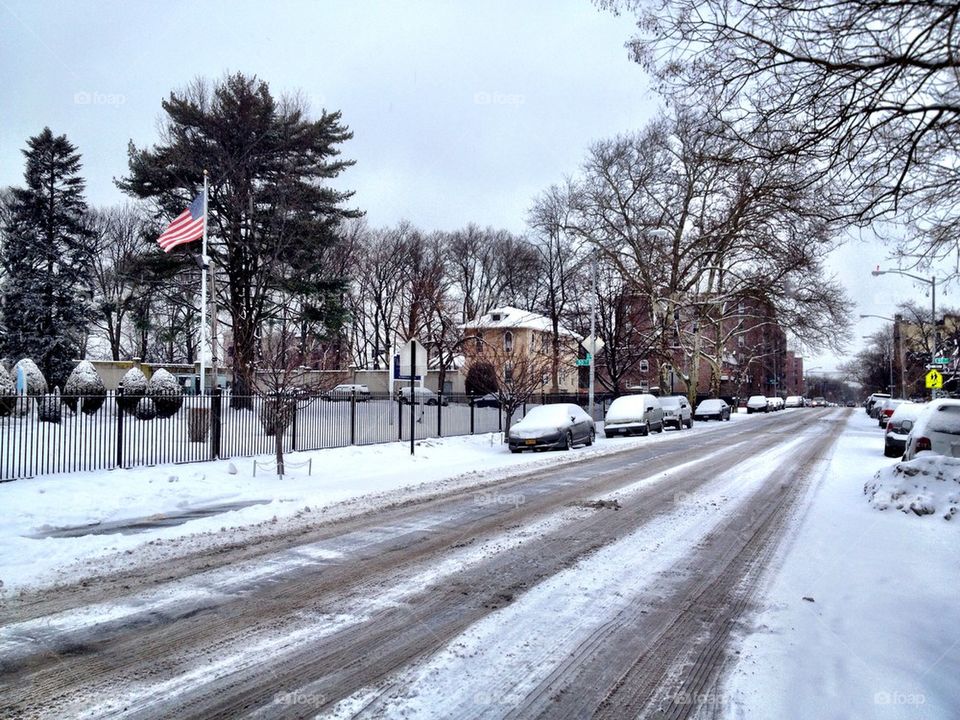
923, 444
888, 412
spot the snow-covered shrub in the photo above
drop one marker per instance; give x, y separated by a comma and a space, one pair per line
8, 391
48, 407
36, 383
166, 393
145, 409
134, 384
84, 385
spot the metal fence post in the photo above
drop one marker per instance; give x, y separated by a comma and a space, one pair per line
471, 416
500, 417
353, 416
216, 414
117, 397
440, 415
293, 430
400, 418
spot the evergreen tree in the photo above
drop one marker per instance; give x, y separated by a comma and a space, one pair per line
272, 212
45, 259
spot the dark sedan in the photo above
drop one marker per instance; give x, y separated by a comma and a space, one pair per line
713, 409
552, 427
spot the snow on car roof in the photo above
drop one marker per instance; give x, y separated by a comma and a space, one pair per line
549, 416
630, 407
711, 404
937, 408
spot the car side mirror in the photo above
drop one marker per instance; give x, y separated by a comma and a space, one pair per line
573, 418
906, 425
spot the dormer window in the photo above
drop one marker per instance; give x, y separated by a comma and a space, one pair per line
495, 317
508, 341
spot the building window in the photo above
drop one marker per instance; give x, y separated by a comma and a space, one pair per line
644, 366
508, 341
508, 372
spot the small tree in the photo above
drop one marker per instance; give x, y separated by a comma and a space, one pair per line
166, 393
481, 378
284, 384
134, 384
8, 391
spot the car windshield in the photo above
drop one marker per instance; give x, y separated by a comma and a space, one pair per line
710, 405
671, 402
626, 408
945, 419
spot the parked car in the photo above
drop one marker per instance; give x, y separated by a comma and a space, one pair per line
547, 427
757, 403
793, 401
886, 410
775, 403
713, 409
677, 411
872, 400
347, 392
898, 428
936, 430
630, 414
421, 396
488, 400
819, 401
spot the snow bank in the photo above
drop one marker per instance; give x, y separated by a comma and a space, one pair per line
927, 485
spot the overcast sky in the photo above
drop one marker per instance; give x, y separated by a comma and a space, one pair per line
461, 111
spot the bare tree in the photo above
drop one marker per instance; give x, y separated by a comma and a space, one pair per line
867, 90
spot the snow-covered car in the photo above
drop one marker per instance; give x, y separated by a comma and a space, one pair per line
347, 392
873, 400
677, 411
886, 410
819, 402
489, 400
757, 403
898, 428
712, 409
421, 396
630, 414
547, 427
936, 430
793, 401
775, 402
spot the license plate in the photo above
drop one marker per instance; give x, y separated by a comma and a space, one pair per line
531, 442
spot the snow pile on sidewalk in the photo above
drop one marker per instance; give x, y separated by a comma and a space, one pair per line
924, 486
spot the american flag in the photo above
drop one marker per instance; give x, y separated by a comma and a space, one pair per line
186, 228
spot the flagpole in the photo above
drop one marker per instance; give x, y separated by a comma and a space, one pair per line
203, 292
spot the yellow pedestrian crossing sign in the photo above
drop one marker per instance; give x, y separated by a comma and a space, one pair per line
934, 380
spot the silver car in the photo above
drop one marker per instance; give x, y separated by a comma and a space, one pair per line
631, 414
677, 411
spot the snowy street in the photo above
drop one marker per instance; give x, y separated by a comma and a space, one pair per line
644, 575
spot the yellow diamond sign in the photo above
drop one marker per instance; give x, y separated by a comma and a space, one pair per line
934, 380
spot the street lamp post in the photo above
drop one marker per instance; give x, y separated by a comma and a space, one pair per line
893, 349
932, 282
593, 331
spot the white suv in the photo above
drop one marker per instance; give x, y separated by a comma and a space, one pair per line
936, 430
676, 411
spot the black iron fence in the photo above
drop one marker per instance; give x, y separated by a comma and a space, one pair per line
51, 434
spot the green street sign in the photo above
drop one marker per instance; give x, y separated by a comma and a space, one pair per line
941, 361
584, 362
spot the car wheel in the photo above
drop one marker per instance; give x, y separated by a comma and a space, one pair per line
568, 441
689, 423
646, 429
591, 437
888, 452
516, 450
609, 435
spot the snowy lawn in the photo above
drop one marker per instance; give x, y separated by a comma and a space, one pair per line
344, 480
862, 619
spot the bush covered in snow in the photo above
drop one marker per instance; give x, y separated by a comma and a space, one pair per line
145, 410
166, 393
36, 383
84, 385
48, 408
134, 384
8, 391
926, 485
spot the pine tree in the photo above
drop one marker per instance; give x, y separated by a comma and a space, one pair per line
45, 259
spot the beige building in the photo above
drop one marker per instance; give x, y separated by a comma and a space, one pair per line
510, 338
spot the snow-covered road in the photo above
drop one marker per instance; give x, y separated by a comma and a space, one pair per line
614, 582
